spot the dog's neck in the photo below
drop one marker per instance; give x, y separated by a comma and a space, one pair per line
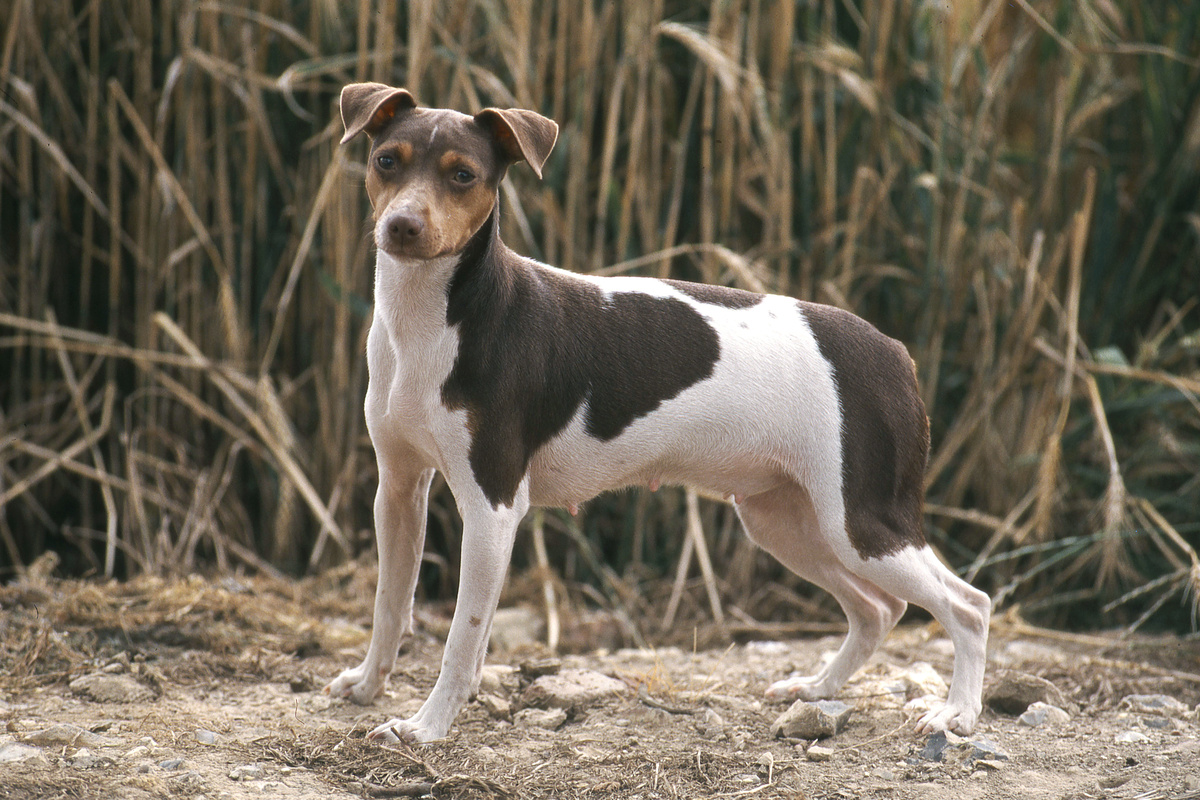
415, 298
483, 279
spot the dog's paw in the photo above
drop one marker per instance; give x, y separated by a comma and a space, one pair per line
409, 731
813, 687
359, 684
949, 717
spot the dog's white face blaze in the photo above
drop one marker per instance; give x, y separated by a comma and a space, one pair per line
524, 384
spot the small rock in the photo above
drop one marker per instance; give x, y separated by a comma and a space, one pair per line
1039, 714
498, 679
985, 750
936, 745
205, 736
710, 724
538, 667
64, 733
134, 753
1158, 704
818, 753
171, 764
922, 679
1132, 737
104, 687
550, 719
497, 707
571, 688
247, 772
514, 628
15, 751
990, 764
1114, 781
804, 720
83, 759
1013, 692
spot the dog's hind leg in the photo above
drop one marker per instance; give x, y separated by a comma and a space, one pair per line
784, 523
917, 575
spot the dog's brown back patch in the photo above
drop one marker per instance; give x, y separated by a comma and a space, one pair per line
885, 433
535, 346
717, 295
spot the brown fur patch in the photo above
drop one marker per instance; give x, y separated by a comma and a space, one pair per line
885, 432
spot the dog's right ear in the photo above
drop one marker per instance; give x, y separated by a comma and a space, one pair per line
367, 107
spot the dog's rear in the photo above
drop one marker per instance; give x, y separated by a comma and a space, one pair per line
526, 385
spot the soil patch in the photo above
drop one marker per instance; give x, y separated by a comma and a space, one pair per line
211, 689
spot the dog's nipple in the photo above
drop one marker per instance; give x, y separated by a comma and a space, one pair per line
654, 484
573, 509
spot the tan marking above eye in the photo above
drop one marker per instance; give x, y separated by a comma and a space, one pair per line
452, 161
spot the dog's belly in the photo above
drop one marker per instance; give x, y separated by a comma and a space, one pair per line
556, 483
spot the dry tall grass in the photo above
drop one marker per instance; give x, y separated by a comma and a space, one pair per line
1010, 188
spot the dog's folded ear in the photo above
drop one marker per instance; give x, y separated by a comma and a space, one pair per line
367, 107
522, 135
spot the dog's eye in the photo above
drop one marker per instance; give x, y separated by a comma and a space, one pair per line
463, 176
385, 162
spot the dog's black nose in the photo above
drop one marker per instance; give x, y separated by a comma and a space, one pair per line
405, 228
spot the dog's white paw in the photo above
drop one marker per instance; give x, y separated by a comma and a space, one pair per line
359, 684
949, 717
410, 731
812, 687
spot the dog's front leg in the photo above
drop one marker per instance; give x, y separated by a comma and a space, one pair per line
401, 503
488, 534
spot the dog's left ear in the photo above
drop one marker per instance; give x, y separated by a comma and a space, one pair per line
522, 135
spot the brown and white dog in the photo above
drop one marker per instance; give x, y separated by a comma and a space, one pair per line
527, 385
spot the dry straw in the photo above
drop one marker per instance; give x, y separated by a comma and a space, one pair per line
1008, 188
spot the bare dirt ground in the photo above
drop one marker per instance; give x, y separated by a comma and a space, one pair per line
211, 689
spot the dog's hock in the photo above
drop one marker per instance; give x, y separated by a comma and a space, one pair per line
522, 135
367, 107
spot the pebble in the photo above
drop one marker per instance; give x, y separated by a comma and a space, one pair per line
15, 751
1039, 714
205, 736
819, 720
498, 679
1132, 737
497, 707
171, 764
550, 719
64, 733
1013, 692
572, 688
84, 759
942, 743
247, 772
105, 687
922, 679
818, 753
515, 628
710, 725
1158, 704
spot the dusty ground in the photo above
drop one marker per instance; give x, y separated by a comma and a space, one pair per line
212, 690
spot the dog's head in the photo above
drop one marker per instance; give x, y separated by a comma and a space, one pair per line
433, 174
